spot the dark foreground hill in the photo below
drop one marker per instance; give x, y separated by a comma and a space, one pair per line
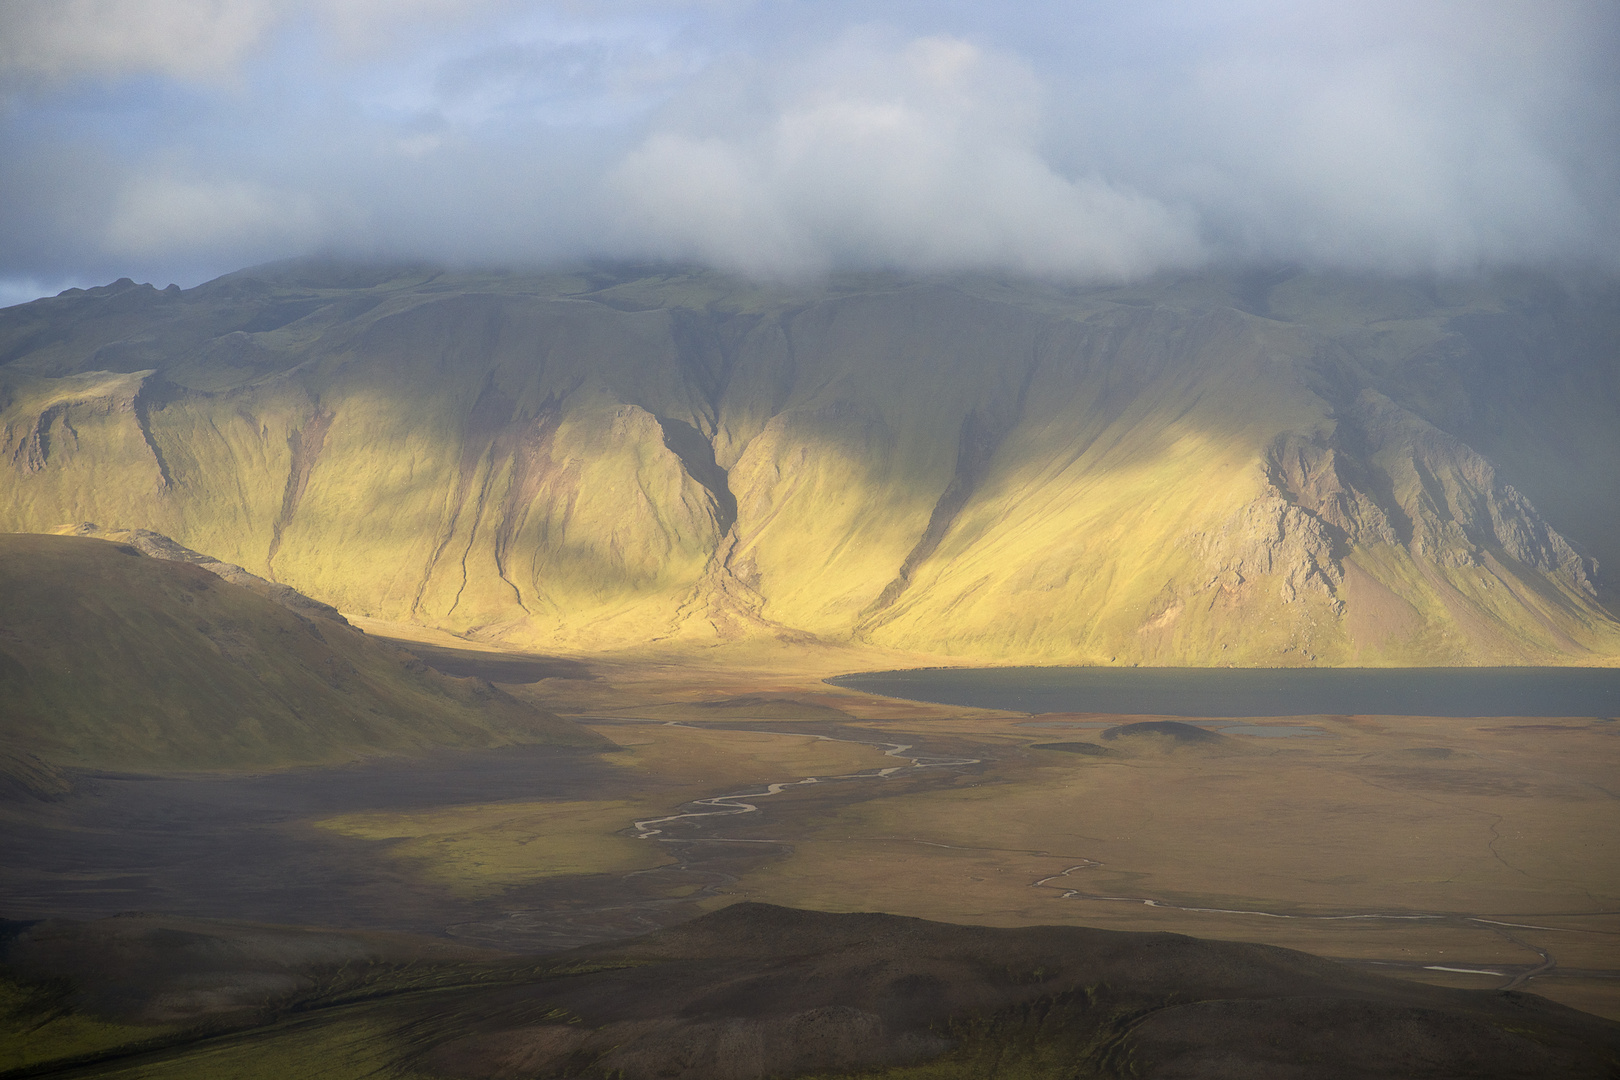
110, 659
1232, 468
749, 992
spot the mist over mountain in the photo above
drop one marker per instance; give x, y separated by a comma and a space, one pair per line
174, 140
1268, 468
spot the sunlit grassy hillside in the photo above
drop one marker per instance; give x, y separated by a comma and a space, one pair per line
1246, 469
111, 659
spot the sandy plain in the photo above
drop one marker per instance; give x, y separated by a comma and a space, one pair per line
1469, 852
1474, 853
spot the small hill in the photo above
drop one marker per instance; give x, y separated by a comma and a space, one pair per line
1169, 731
113, 660
756, 991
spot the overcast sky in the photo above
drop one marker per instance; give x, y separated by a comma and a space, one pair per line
174, 140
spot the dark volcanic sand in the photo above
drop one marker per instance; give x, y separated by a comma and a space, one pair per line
242, 848
237, 846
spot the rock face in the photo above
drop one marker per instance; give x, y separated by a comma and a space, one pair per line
1276, 538
1445, 505
1220, 469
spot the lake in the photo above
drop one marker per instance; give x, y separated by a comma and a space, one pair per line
1239, 692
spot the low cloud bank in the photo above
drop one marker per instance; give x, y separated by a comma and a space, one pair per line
175, 139
923, 155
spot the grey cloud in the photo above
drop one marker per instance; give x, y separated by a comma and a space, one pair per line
917, 154
1085, 141
1405, 137
564, 82
209, 40
182, 38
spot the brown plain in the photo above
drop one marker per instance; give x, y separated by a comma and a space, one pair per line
1413, 843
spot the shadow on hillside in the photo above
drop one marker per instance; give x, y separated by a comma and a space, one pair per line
512, 668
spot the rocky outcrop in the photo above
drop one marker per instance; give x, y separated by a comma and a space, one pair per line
1315, 475
45, 424
1450, 499
1272, 536
1383, 476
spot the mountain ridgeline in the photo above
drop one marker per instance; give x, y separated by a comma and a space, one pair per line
1252, 469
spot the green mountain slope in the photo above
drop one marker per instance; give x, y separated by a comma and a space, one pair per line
1243, 469
115, 660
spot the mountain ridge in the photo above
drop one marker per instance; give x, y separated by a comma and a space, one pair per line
1222, 468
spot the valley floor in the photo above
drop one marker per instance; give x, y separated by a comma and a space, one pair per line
1471, 853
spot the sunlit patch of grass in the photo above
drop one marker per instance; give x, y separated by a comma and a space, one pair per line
480, 847
316, 1049
696, 759
472, 848
352, 1023
38, 1024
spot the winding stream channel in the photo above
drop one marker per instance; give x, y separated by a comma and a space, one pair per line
1516, 978
733, 804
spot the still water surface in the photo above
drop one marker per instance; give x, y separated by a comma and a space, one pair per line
1236, 692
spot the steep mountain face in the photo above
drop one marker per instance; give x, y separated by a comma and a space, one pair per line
1251, 469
